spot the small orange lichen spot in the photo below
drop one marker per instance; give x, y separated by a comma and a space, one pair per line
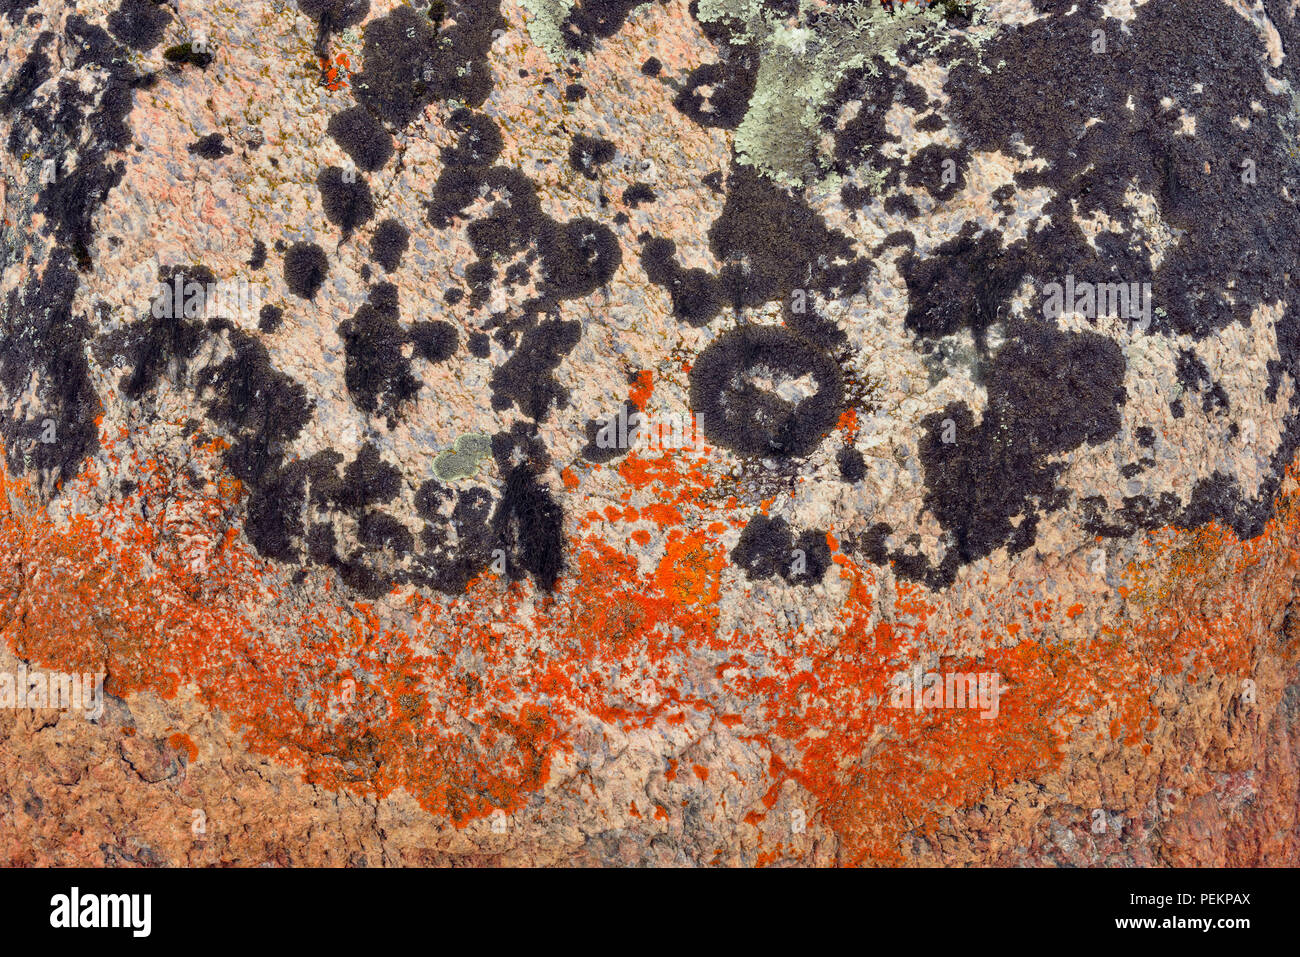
1075, 610
642, 389
701, 772
641, 537
571, 480
182, 742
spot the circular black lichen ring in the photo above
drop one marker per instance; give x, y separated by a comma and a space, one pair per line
741, 415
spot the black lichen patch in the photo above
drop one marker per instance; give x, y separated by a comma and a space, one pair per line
652, 67
605, 441
529, 527
85, 112
940, 171
804, 319
773, 243
261, 407
378, 530
877, 86
852, 466
366, 481
335, 15
45, 339
389, 243
1195, 377
588, 152
186, 54
397, 51
578, 257
574, 92
987, 485
465, 166
480, 346
345, 198
213, 146
269, 318
930, 123
18, 97
768, 546
258, 259
139, 24
305, 269
1231, 237
377, 373
764, 545
86, 118
407, 65
1056, 391
332, 16
169, 336
274, 517
696, 294
435, 341
592, 20
966, 283
362, 137
13, 9
731, 85
527, 378
638, 193
734, 390
574, 259
1045, 102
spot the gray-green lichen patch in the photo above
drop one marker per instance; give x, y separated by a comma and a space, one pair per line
463, 459
545, 23
804, 59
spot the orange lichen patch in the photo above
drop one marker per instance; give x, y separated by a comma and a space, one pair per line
662, 515
691, 572
335, 73
466, 703
642, 389
182, 742
849, 423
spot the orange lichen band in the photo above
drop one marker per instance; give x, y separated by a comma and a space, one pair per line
358, 704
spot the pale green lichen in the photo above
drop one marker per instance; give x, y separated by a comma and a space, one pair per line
545, 23
803, 62
463, 459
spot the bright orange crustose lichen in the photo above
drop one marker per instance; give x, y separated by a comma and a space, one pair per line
159, 590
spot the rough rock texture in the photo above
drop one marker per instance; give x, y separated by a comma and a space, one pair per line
606, 432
